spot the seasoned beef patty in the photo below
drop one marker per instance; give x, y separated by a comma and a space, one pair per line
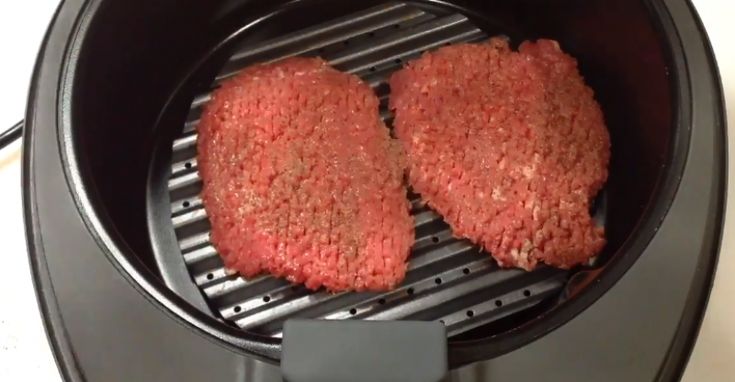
510, 147
302, 180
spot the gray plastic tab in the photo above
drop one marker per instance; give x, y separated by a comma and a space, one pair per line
370, 351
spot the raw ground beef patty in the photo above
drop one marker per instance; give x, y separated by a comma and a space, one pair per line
510, 147
302, 180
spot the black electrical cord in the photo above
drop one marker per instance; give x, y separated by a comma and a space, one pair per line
8, 136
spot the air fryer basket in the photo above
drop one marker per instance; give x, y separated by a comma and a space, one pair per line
135, 116
449, 280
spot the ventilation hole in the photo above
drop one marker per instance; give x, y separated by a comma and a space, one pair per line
434, 239
321, 50
527, 293
438, 281
185, 204
410, 291
238, 309
353, 311
396, 26
442, 322
372, 69
381, 301
266, 298
398, 61
346, 42
498, 303
210, 276
470, 313
466, 271
187, 164
447, 43
294, 288
371, 34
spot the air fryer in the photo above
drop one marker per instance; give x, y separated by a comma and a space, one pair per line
131, 288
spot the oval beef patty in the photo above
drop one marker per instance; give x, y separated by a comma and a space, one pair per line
510, 147
302, 180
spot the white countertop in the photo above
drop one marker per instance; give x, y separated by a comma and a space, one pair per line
24, 350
